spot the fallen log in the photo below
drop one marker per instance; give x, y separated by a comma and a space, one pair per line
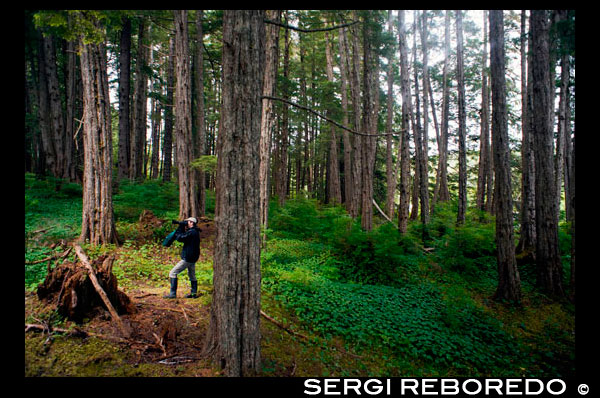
282, 326
86, 262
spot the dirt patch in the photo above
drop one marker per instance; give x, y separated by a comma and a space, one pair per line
166, 340
166, 334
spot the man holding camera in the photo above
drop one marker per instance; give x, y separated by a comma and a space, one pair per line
188, 233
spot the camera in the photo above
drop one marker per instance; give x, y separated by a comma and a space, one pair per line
180, 223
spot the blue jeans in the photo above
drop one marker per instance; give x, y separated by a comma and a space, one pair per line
182, 265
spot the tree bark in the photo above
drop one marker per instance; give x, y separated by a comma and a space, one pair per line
483, 174
424, 175
462, 121
547, 252
97, 219
442, 193
509, 285
124, 100
333, 171
268, 116
188, 201
199, 109
168, 134
344, 68
527, 235
356, 142
233, 338
369, 125
138, 121
390, 170
404, 185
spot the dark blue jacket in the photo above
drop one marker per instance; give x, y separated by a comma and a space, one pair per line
191, 244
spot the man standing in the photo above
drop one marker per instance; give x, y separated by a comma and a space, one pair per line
187, 233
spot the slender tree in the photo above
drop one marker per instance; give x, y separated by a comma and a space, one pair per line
233, 338
406, 112
138, 121
98, 224
424, 137
168, 134
369, 121
124, 100
549, 276
484, 171
268, 115
462, 121
200, 138
509, 285
344, 71
442, 192
333, 172
188, 200
390, 169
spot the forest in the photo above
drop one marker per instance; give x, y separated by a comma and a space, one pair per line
377, 193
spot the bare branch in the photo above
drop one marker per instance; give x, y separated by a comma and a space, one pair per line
328, 119
310, 30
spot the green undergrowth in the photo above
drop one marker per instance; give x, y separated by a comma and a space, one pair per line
371, 303
426, 312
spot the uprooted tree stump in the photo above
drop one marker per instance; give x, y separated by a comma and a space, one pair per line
82, 289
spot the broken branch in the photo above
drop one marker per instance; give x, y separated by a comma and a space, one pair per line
310, 30
267, 317
86, 262
328, 119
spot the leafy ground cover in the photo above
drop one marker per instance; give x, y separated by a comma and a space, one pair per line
351, 303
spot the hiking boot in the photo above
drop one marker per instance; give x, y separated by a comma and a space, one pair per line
173, 293
194, 290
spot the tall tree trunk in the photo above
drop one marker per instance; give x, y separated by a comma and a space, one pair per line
47, 141
333, 171
369, 125
200, 140
268, 115
234, 331
281, 165
527, 235
417, 129
71, 99
443, 194
188, 201
462, 121
356, 142
98, 224
344, 68
572, 203
124, 100
390, 170
156, 123
406, 112
484, 143
562, 174
168, 135
300, 174
138, 121
547, 251
424, 176
56, 116
509, 284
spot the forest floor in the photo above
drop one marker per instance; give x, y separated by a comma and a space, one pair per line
167, 335
166, 339
314, 321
